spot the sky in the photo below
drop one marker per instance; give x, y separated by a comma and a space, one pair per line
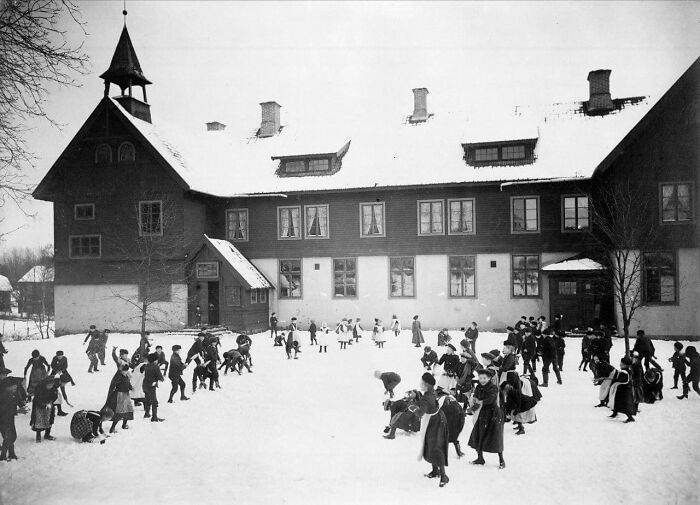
218, 60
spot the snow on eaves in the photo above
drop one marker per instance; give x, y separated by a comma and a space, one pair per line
250, 274
388, 151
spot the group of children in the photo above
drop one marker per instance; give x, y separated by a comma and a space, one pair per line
135, 383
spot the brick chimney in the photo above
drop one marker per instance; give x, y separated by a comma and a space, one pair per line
215, 126
270, 123
599, 100
420, 104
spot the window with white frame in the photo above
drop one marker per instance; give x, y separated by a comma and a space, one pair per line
462, 276
372, 217
262, 297
430, 217
516, 152
289, 222
402, 273
676, 203
103, 154
526, 275
462, 216
525, 214
659, 277
316, 221
575, 213
150, 218
126, 152
237, 224
85, 246
345, 277
290, 278
84, 211
253, 296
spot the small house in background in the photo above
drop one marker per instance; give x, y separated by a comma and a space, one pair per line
36, 291
5, 294
228, 289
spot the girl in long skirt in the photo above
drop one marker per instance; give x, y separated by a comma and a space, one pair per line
323, 338
40, 370
118, 399
42, 417
487, 434
342, 331
378, 333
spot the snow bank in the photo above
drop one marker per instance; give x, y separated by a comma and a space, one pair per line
310, 431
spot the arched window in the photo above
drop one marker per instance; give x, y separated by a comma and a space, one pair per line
103, 154
127, 152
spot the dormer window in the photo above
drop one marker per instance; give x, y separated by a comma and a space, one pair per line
512, 152
304, 166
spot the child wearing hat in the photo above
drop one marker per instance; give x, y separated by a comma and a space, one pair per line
119, 399
450, 364
343, 334
429, 357
417, 332
175, 371
151, 377
395, 325
40, 370
678, 364
693, 377
434, 431
487, 433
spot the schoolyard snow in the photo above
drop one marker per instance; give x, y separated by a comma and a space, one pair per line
310, 431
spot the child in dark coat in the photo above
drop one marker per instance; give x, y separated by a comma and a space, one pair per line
312, 333
175, 371
693, 358
390, 381
152, 376
429, 357
487, 434
678, 364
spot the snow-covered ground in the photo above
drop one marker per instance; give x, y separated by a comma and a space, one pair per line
310, 431
21, 329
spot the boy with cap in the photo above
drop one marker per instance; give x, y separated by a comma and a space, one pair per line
529, 351
429, 358
273, 326
196, 353
390, 381
645, 347
102, 348
693, 358
547, 350
92, 334
152, 376
472, 334
312, 332
92, 351
162, 360
12, 400
678, 364
176, 369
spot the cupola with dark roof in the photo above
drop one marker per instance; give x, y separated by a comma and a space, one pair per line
125, 71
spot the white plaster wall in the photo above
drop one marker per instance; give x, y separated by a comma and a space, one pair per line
683, 319
493, 306
79, 306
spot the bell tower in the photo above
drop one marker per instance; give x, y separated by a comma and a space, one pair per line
125, 72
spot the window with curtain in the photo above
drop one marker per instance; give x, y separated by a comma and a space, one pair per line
525, 214
316, 217
345, 277
462, 276
462, 216
237, 224
659, 270
402, 277
676, 203
372, 219
526, 275
290, 278
289, 227
253, 296
575, 213
431, 217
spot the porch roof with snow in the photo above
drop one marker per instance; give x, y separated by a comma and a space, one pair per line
236, 263
38, 274
574, 265
5, 284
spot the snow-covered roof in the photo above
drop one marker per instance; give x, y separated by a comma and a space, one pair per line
387, 150
38, 273
5, 284
239, 263
574, 265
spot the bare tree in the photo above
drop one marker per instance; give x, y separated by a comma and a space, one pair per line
152, 253
35, 54
621, 215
